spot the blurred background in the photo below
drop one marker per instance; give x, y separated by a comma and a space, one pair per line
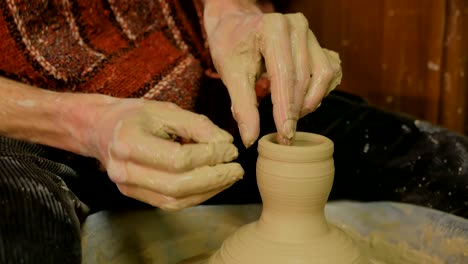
407, 56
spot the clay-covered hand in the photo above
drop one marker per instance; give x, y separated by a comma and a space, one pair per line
243, 40
134, 139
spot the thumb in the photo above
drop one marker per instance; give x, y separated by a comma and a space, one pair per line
241, 87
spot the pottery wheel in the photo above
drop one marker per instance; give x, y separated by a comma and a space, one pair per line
155, 236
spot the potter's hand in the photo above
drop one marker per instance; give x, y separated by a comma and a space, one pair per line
301, 72
134, 141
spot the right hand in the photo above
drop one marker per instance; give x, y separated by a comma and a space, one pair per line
133, 138
244, 42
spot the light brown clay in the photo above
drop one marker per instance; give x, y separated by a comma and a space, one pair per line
294, 182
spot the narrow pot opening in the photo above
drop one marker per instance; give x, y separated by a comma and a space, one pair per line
306, 147
302, 142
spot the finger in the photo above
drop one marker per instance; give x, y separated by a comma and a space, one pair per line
239, 78
299, 28
300, 54
156, 153
167, 118
276, 50
165, 202
199, 180
322, 74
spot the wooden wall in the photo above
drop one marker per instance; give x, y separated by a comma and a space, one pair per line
402, 55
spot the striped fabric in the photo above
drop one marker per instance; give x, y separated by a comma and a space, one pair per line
124, 48
39, 214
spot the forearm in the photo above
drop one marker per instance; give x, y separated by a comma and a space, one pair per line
60, 120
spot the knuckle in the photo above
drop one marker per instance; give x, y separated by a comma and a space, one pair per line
273, 16
301, 20
311, 105
326, 74
200, 122
275, 20
161, 202
117, 172
124, 190
172, 206
172, 106
182, 158
307, 109
172, 189
155, 203
211, 150
120, 149
203, 120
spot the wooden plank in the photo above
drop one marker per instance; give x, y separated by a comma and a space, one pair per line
412, 56
455, 67
391, 50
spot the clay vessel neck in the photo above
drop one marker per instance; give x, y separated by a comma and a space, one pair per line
294, 182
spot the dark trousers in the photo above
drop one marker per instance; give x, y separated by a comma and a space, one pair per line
46, 193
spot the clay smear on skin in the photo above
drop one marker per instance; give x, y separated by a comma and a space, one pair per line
26, 103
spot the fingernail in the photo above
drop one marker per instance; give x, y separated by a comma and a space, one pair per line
232, 154
240, 174
289, 128
245, 134
236, 178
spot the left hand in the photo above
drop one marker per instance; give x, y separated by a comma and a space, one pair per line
243, 40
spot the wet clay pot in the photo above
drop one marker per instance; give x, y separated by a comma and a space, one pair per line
294, 182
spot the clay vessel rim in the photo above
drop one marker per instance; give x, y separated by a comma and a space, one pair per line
320, 149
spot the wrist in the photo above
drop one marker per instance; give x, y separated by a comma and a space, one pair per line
78, 115
60, 120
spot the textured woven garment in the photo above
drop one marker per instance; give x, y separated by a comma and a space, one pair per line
153, 49
124, 48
